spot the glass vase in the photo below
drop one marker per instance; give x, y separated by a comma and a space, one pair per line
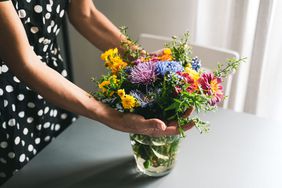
154, 156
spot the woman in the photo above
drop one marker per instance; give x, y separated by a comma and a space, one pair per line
37, 102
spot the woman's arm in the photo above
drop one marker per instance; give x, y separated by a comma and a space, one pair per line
93, 25
21, 59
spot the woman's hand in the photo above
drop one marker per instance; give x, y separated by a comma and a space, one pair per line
159, 52
133, 123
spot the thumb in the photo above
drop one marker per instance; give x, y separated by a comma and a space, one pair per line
156, 123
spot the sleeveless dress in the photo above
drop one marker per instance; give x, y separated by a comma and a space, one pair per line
27, 121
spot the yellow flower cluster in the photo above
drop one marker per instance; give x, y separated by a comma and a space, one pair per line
113, 60
127, 101
105, 84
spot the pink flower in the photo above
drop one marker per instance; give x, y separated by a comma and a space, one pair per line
211, 86
192, 85
177, 90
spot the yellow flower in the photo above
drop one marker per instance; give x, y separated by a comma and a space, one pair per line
109, 54
128, 102
167, 51
111, 94
107, 63
103, 84
166, 56
103, 56
194, 74
114, 79
117, 66
113, 60
106, 54
189, 65
121, 93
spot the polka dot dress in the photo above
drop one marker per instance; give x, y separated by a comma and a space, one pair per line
27, 121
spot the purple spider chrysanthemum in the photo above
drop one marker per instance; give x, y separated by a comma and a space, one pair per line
143, 73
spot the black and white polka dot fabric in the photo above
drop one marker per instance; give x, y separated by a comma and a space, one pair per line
28, 122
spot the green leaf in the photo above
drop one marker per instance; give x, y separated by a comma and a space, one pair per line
147, 164
173, 106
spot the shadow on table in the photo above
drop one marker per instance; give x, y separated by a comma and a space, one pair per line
116, 173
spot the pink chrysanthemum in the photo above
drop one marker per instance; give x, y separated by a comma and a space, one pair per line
212, 86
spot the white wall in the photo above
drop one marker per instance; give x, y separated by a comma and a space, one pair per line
161, 17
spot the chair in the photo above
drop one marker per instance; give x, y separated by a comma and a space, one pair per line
209, 56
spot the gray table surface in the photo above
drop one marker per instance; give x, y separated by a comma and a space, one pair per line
240, 151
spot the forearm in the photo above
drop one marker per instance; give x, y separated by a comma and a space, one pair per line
58, 90
51, 85
93, 25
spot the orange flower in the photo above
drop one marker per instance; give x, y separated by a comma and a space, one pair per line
103, 85
166, 56
117, 66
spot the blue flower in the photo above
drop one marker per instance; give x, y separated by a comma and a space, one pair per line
196, 63
164, 67
128, 70
141, 98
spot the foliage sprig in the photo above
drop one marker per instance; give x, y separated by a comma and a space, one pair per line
231, 65
181, 51
131, 49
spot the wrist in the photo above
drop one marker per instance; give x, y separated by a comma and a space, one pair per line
104, 114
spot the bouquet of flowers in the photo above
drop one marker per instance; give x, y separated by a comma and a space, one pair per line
162, 85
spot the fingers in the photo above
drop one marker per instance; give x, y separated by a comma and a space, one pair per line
158, 52
143, 52
153, 127
188, 112
172, 129
158, 124
188, 126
